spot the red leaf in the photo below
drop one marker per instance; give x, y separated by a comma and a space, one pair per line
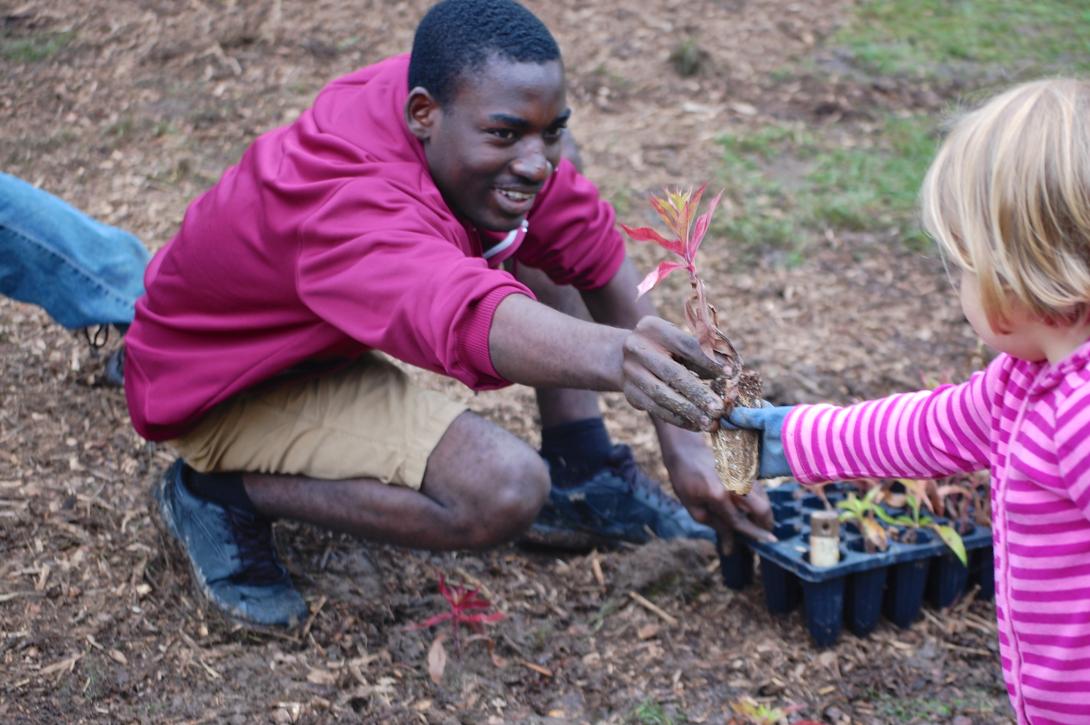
689, 211
653, 278
488, 618
476, 602
444, 590
432, 621
647, 234
702, 225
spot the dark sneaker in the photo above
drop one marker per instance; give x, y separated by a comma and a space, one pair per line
618, 504
113, 370
230, 554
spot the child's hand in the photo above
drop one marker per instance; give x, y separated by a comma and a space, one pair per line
767, 420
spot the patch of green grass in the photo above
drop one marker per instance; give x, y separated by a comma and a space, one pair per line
650, 712
33, 48
913, 710
610, 606
758, 216
540, 637
898, 709
788, 184
931, 37
621, 199
687, 58
874, 188
122, 129
163, 128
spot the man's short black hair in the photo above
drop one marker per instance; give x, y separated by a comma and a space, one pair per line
459, 36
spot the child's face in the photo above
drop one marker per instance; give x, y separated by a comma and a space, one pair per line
1017, 335
493, 147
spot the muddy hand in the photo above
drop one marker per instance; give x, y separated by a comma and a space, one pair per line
693, 476
659, 362
768, 422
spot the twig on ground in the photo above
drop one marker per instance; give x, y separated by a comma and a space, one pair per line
653, 608
544, 671
313, 616
596, 568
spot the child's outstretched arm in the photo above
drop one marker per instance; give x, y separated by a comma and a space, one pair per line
926, 434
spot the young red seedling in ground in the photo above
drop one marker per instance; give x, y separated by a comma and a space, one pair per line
463, 602
467, 607
735, 450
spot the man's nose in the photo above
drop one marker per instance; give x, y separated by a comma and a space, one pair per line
533, 166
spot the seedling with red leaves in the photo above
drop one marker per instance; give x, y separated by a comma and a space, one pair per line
735, 450
467, 607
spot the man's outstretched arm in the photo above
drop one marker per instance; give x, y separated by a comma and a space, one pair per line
656, 364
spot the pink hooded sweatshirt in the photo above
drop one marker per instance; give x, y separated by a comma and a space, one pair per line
328, 239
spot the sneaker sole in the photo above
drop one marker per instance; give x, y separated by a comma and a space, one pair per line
548, 537
173, 545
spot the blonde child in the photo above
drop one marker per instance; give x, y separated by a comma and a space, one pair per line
1008, 200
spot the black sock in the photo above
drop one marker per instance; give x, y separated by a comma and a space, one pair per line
575, 451
225, 489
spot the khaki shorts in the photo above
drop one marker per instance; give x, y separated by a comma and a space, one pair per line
367, 420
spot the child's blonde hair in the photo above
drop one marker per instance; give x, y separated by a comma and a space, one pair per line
1008, 198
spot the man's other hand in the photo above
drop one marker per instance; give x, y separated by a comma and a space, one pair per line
691, 466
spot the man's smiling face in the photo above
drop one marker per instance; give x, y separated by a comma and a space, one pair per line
494, 145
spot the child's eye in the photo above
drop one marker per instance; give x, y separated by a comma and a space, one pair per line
554, 134
503, 134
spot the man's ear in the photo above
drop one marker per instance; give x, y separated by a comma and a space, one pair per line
422, 113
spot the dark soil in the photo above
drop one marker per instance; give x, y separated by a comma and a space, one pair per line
130, 109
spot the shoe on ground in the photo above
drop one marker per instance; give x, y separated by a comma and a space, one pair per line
230, 554
113, 370
619, 504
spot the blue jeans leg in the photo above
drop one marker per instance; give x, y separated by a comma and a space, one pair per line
81, 271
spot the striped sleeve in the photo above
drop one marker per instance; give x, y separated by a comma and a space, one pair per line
1073, 438
926, 434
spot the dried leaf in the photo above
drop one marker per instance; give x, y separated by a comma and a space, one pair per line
321, 677
544, 671
63, 665
875, 533
498, 661
437, 659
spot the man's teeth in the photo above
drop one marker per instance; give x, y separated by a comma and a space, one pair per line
516, 195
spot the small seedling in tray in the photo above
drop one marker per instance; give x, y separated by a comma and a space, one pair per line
863, 513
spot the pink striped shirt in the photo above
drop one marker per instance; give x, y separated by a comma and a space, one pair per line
1029, 424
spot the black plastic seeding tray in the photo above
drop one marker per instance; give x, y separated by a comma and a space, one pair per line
862, 587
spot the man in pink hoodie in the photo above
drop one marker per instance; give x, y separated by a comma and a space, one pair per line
421, 209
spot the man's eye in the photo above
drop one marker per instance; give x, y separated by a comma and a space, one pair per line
504, 134
554, 134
